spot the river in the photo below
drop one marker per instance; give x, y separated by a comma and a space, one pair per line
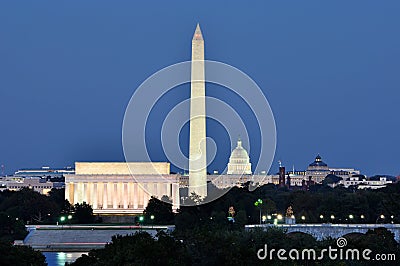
60, 258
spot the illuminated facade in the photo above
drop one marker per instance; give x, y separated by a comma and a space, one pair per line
317, 170
15, 183
119, 187
197, 143
239, 162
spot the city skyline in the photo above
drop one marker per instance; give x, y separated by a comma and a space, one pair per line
331, 92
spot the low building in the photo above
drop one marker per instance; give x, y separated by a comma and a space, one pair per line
45, 171
344, 172
15, 183
228, 181
362, 182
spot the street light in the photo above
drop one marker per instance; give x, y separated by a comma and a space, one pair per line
380, 217
303, 217
258, 204
62, 219
351, 216
152, 220
279, 217
321, 216
362, 216
264, 218
69, 219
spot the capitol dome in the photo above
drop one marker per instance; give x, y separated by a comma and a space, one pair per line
239, 162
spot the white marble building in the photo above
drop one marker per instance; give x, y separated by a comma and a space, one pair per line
239, 161
119, 187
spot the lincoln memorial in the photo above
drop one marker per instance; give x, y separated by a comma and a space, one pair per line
120, 187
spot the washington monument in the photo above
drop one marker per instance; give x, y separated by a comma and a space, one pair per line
197, 145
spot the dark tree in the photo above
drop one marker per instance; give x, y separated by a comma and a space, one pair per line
138, 249
83, 213
20, 255
160, 211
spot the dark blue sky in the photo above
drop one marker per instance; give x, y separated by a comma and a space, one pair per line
330, 70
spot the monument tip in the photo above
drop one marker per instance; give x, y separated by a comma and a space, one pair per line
197, 34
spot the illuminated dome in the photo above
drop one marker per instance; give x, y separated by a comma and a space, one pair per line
318, 162
239, 162
317, 170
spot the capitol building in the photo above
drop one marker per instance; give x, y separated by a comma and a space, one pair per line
239, 162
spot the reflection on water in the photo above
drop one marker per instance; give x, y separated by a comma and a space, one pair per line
60, 258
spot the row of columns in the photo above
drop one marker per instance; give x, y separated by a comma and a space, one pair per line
118, 195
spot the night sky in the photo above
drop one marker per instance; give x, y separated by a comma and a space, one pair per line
329, 69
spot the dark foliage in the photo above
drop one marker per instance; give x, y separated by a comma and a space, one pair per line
138, 249
20, 255
160, 211
83, 213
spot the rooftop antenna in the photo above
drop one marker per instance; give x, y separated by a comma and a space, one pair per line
280, 163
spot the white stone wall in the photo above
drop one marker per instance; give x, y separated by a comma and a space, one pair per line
122, 168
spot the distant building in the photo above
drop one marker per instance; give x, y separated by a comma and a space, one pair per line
317, 170
362, 182
45, 171
344, 172
41, 185
228, 181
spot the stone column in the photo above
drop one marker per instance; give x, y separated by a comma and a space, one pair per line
75, 191
135, 195
105, 194
125, 195
130, 195
94, 195
115, 196
169, 190
175, 196
145, 195
85, 192
67, 191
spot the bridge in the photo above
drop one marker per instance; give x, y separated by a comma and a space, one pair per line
321, 231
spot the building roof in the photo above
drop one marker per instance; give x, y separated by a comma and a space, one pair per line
318, 162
